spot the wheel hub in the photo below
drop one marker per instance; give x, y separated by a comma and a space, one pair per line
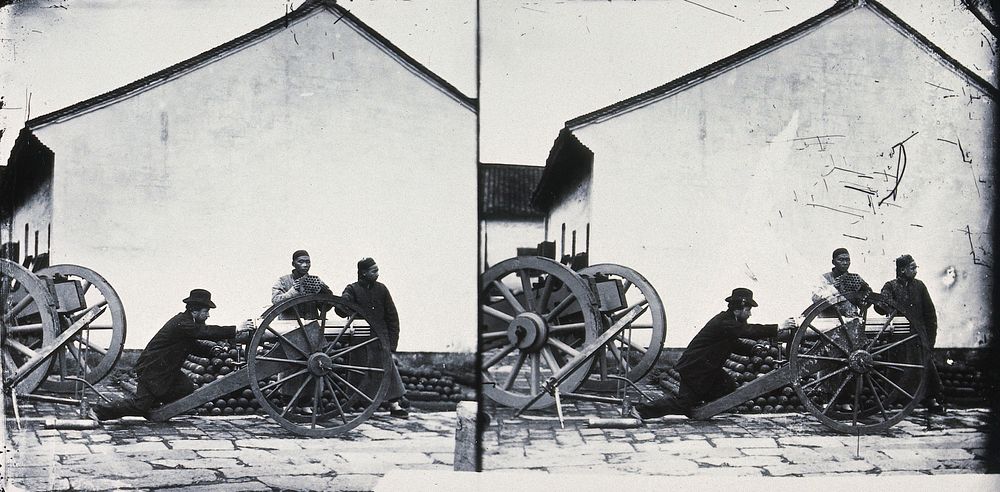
528, 331
860, 361
320, 364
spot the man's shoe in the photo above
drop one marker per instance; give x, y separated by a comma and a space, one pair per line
99, 413
399, 413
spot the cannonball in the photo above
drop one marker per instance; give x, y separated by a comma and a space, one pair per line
216, 411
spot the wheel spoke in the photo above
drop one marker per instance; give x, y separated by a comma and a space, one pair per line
897, 364
543, 301
829, 340
282, 380
493, 335
563, 304
627, 310
559, 344
353, 347
496, 313
29, 329
635, 346
882, 330
843, 328
567, 327
875, 395
509, 296
295, 397
98, 305
617, 353
824, 378
352, 387
96, 348
857, 400
497, 357
317, 401
20, 347
287, 361
893, 384
883, 348
358, 368
529, 293
17, 308
336, 401
85, 285
821, 357
288, 342
513, 373
535, 373
550, 359
347, 326
836, 394
626, 286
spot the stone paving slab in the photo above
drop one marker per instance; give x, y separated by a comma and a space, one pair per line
244, 453
780, 445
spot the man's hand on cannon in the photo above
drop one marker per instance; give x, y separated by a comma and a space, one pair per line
786, 330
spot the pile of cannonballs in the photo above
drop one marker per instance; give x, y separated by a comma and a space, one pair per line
963, 384
426, 384
743, 369
422, 384
204, 370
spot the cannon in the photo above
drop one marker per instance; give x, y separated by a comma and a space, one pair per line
856, 373
539, 315
62, 325
311, 366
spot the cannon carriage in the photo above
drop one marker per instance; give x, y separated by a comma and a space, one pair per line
548, 331
311, 364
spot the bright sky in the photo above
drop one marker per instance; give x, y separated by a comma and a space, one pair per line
545, 62
61, 52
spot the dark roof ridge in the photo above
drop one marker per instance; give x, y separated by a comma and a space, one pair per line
198, 60
773, 42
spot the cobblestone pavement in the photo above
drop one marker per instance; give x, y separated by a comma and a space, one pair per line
775, 445
245, 453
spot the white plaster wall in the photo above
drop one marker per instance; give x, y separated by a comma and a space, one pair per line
499, 239
313, 138
725, 184
573, 210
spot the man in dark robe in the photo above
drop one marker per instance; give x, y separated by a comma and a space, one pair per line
911, 295
158, 369
700, 366
378, 310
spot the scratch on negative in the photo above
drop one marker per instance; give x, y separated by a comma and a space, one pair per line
855, 237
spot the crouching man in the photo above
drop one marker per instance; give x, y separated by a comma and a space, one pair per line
160, 379
700, 366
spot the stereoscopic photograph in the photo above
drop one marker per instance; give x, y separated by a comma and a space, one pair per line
498, 245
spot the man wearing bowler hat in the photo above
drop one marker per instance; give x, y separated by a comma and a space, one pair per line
700, 366
378, 309
158, 368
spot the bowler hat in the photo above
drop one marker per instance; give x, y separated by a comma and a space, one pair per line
200, 297
742, 296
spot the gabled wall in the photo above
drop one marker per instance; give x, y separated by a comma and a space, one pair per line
751, 178
313, 137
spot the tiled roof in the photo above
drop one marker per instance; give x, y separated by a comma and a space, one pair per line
303, 11
507, 189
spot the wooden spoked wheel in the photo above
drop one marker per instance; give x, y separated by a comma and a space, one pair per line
314, 370
536, 315
95, 350
28, 323
856, 373
634, 351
